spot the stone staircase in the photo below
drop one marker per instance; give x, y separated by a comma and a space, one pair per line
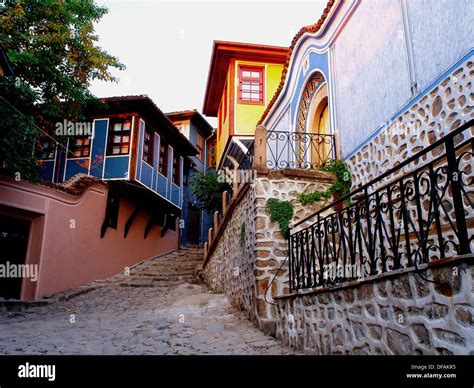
168, 270
178, 267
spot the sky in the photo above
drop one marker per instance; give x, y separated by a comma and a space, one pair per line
166, 45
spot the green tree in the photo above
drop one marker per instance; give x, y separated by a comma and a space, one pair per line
208, 190
52, 47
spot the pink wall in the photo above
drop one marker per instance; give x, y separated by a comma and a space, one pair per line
69, 257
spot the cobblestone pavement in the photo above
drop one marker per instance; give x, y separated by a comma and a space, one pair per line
144, 313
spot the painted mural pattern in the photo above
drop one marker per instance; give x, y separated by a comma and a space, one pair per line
310, 88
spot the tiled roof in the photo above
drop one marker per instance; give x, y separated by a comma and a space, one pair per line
76, 185
308, 29
191, 114
145, 103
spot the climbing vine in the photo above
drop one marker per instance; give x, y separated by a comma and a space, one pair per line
281, 212
242, 235
341, 187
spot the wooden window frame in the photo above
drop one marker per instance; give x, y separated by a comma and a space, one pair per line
163, 156
148, 145
74, 146
245, 79
176, 169
112, 133
48, 150
200, 147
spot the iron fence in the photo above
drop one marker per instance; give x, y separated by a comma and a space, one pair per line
425, 213
298, 149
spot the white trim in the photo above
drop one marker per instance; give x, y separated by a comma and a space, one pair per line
240, 144
140, 140
181, 179
130, 148
281, 102
65, 162
118, 156
54, 163
105, 144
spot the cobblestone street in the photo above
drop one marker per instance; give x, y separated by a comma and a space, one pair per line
151, 311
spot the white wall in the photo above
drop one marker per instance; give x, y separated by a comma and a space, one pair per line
371, 71
372, 74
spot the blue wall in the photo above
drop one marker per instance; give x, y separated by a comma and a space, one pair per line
150, 177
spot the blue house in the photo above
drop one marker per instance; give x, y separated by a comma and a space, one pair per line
130, 143
202, 136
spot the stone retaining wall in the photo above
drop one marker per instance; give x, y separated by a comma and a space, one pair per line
401, 314
244, 270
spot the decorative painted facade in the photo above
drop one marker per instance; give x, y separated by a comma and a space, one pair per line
379, 74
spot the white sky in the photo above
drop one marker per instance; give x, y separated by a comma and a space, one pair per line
166, 45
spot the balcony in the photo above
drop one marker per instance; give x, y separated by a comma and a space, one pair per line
276, 150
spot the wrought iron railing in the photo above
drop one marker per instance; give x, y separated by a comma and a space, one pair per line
425, 213
298, 150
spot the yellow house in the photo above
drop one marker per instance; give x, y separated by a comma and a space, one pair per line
241, 82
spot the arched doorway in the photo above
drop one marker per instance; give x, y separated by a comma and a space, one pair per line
318, 126
313, 144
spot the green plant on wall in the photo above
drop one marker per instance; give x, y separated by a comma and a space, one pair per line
242, 235
341, 187
281, 212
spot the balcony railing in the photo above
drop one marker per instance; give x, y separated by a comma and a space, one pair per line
424, 214
282, 149
298, 150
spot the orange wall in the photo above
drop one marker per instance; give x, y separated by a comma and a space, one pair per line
71, 257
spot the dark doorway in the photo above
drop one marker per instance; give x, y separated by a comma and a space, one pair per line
193, 225
13, 244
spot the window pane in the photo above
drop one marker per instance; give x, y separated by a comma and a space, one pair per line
127, 125
246, 87
255, 74
255, 87
125, 150
77, 153
118, 127
125, 139
246, 96
246, 73
117, 139
115, 150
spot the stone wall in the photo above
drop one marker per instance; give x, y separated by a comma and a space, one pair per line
443, 109
230, 267
244, 270
400, 314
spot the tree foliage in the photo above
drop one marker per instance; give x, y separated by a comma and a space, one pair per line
208, 190
53, 50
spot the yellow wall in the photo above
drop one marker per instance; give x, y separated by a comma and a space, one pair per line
247, 115
225, 128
